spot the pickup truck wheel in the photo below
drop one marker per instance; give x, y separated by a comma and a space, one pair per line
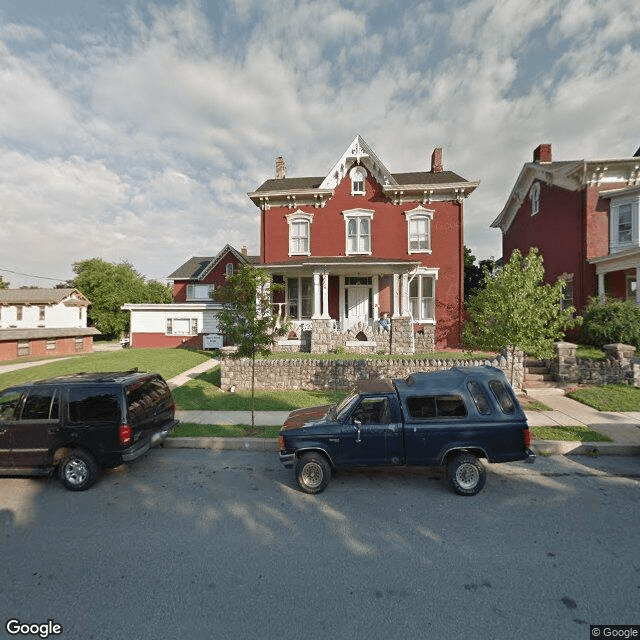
313, 472
466, 474
78, 470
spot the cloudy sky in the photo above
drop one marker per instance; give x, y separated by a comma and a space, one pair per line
133, 129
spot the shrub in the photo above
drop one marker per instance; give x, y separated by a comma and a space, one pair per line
613, 321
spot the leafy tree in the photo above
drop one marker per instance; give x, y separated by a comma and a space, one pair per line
516, 310
474, 273
613, 321
3, 283
247, 319
108, 286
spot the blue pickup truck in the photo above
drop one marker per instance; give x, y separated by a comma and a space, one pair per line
451, 418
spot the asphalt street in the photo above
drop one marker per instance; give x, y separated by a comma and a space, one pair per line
221, 544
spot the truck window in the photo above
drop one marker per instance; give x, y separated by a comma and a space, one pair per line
479, 397
502, 396
445, 406
8, 402
93, 405
373, 411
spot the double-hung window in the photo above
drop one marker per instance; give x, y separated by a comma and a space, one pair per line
419, 230
300, 233
624, 229
299, 298
358, 231
422, 297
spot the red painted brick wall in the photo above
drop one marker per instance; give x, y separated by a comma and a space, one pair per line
64, 347
389, 239
217, 277
155, 340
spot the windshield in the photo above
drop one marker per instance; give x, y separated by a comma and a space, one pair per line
343, 408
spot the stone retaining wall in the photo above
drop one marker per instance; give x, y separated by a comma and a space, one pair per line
619, 367
296, 374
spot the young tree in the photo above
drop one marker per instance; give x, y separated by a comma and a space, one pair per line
516, 310
247, 319
108, 286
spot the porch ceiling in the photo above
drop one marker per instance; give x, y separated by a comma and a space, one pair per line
361, 265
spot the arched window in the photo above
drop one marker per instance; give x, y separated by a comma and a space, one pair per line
534, 195
419, 230
300, 233
357, 175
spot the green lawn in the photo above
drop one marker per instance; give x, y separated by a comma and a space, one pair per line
609, 397
167, 362
204, 394
573, 433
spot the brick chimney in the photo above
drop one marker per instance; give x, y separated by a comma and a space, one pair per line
281, 168
245, 250
542, 153
436, 160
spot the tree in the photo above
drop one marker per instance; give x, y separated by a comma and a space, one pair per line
474, 273
516, 310
108, 286
3, 283
247, 319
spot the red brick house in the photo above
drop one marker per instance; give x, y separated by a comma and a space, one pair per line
190, 320
44, 322
359, 243
583, 217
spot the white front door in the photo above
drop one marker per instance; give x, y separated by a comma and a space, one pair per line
357, 306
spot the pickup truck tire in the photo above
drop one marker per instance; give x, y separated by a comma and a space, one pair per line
312, 472
78, 470
466, 474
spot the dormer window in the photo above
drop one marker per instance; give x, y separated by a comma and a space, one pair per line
300, 233
534, 196
419, 230
357, 175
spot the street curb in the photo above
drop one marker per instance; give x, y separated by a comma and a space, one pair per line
549, 447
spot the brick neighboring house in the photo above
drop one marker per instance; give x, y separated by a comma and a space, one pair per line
44, 322
360, 242
190, 320
583, 217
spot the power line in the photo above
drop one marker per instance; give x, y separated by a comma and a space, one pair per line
29, 275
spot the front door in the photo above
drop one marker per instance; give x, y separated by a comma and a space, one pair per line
357, 306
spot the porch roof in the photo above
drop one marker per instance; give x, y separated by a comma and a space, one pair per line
345, 265
621, 261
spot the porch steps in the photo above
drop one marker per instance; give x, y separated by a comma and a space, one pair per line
537, 376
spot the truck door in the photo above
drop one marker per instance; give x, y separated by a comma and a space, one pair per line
373, 435
9, 403
37, 429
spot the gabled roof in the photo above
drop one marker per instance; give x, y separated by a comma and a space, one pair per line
43, 296
197, 268
572, 175
316, 190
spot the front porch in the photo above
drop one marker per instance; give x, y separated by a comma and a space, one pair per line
365, 307
618, 275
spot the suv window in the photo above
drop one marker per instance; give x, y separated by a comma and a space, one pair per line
144, 396
502, 396
93, 405
373, 411
445, 406
9, 401
41, 404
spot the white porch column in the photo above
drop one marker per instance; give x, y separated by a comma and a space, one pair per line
405, 295
325, 295
396, 295
601, 294
316, 294
376, 298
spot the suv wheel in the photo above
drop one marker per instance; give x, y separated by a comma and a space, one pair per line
312, 472
78, 470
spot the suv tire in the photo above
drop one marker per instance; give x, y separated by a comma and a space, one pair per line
77, 470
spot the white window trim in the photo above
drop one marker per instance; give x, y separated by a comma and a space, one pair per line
358, 175
419, 213
614, 243
299, 216
193, 323
534, 196
358, 214
432, 273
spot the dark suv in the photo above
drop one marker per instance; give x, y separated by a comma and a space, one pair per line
81, 423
